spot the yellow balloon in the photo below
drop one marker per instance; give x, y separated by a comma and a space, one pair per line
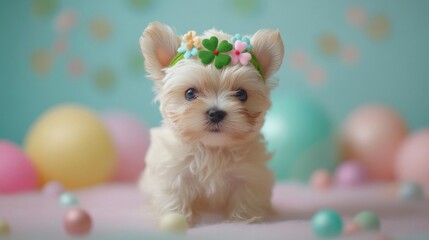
70, 144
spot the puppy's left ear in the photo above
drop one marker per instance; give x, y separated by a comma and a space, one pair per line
159, 45
268, 49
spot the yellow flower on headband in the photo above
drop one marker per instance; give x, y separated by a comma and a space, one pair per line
192, 40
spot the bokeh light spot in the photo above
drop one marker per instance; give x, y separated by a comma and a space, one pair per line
100, 28
245, 6
139, 4
317, 75
356, 16
350, 54
42, 8
328, 44
76, 67
42, 61
60, 45
136, 62
65, 21
299, 60
378, 27
105, 79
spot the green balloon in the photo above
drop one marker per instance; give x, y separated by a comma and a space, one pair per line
301, 136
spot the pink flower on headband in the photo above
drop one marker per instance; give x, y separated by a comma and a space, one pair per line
238, 54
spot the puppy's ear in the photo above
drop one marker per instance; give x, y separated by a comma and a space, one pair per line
159, 45
268, 49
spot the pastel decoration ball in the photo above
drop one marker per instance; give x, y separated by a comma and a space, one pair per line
327, 223
413, 158
350, 174
367, 220
68, 199
173, 223
321, 180
53, 189
17, 173
410, 191
71, 145
77, 222
300, 134
372, 136
131, 139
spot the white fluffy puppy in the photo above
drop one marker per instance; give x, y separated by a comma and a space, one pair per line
209, 154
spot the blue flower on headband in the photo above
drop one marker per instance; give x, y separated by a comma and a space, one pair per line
243, 39
188, 52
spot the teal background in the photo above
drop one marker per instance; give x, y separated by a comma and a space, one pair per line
393, 70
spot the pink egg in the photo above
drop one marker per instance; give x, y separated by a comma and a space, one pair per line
372, 135
17, 173
321, 179
53, 189
350, 174
413, 158
131, 139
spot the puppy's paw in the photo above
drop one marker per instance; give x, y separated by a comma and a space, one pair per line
246, 215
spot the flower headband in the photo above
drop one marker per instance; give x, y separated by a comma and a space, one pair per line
222, 54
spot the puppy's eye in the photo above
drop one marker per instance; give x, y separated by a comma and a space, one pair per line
191, 94
241, 94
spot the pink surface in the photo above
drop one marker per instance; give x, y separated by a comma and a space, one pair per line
118, 213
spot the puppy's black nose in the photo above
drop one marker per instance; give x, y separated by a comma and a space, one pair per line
215, 115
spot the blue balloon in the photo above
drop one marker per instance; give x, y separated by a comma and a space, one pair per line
301, 136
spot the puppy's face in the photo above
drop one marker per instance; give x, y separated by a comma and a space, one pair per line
211, 106
202, 103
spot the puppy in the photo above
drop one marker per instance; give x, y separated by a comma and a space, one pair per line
209, 154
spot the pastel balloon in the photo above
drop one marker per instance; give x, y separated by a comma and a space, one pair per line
131, 139
17, 173
372, 135
413, 159
69, 144
300, 134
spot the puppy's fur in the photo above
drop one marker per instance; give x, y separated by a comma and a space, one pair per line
189, 167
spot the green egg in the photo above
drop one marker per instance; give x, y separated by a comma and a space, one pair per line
327, 223
367, 221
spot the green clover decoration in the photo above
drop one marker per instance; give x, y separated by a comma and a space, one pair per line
215, 52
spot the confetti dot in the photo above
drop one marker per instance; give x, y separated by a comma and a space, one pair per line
299, 60
105, 79
42, 61
140, 4
65, 21
356, 16
246, 6
317, 75
136, 62
378, 27
61, 45
349, 54
100, 28
76, 67
42, 8
328, 44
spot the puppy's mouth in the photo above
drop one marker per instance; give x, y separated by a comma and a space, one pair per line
214, 128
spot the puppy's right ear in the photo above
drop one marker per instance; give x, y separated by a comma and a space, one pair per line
159, 45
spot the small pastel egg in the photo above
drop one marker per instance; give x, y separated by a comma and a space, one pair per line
410, 191
350, 174
53, 189
367, 221
327, 223
321, 180
68, 199
173, 223
4, 228
77, 222
351, 227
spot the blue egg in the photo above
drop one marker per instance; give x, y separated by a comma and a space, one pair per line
410, 191
68, 199
327, 223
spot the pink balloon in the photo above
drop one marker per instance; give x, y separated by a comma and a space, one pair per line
131, 140
17, 173
413, 158
372, 135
